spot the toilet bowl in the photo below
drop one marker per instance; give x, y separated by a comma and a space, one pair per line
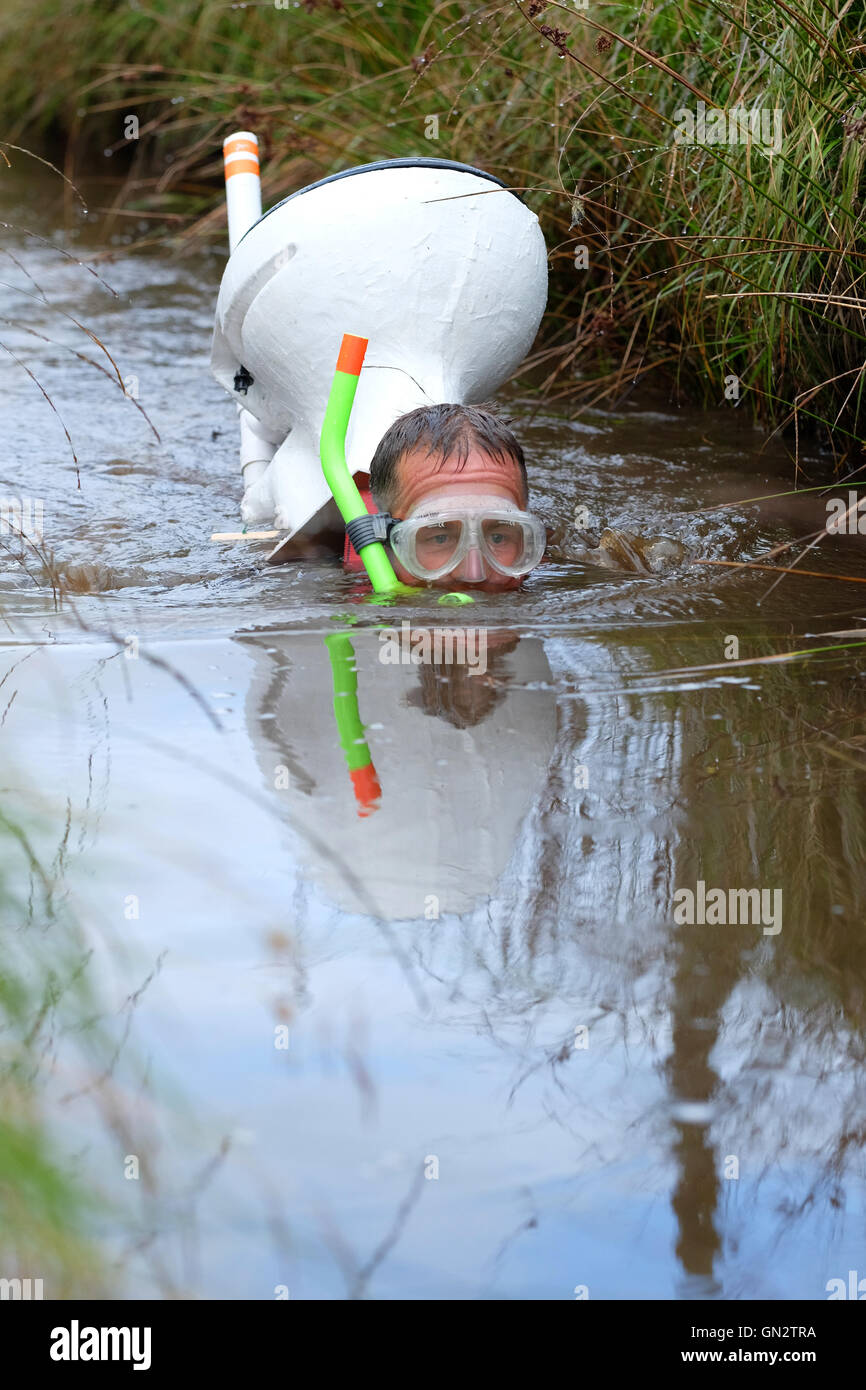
436, 263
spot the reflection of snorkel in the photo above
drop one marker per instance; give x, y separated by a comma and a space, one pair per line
363, 531
349, 726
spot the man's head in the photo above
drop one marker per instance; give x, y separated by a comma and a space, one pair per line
464, 456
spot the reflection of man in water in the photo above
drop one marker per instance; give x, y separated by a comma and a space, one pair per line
455, 788
459, 692
452, 479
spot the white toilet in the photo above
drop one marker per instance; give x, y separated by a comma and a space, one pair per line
436, 263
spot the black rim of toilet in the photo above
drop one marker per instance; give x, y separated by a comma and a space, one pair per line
406, 163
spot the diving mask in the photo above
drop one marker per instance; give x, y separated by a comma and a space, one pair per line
443, 531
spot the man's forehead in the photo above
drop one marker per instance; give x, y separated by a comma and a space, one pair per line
419, 472
453, 499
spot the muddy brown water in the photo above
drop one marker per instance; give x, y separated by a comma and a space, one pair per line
470, 1016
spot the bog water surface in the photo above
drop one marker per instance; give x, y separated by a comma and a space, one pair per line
454, 1041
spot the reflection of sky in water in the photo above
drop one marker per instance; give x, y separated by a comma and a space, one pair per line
557, 1167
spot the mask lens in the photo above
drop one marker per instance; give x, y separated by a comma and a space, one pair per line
436, 545
504, 542
431, 546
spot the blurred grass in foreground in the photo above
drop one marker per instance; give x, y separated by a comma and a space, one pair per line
45, 1207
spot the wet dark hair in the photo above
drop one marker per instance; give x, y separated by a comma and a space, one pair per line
445, 429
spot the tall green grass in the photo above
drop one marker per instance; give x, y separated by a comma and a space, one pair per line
705, 263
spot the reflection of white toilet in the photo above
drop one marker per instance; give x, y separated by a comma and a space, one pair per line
453, 797
437, 264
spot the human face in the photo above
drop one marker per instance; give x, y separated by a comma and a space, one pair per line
423, 478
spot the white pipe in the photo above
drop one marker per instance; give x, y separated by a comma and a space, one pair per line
256, 453
243, 209
243, 184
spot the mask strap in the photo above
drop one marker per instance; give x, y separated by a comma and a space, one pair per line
367, 530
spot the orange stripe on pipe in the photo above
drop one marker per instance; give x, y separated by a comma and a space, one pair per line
351, 358
240, 142
242, 166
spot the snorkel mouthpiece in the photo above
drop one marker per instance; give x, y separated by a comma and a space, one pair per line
332, 451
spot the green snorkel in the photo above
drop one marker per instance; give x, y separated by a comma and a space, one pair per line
332, 450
